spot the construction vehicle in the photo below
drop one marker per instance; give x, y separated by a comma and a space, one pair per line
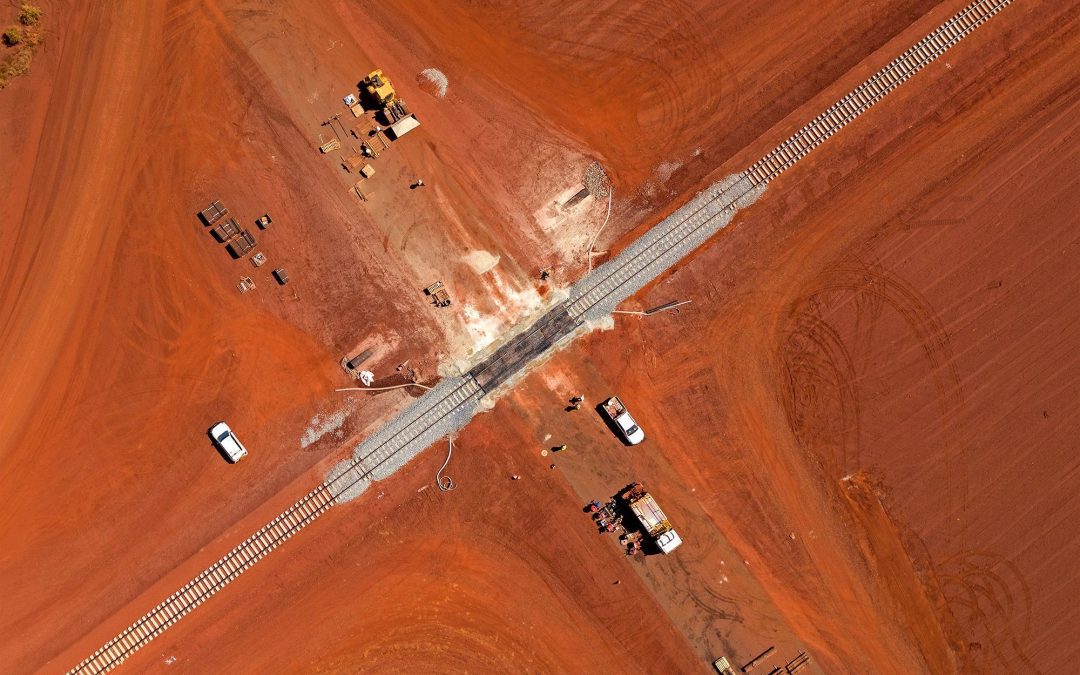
396, 110
615, 412
648, 513
440, 297
402, 127
378, 89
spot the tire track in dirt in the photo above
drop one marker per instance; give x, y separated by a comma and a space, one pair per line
985, 595
821, 368
981, 593
653, 36
820, 397
716, 610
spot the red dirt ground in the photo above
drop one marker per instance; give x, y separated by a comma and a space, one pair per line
891, 325
895, 321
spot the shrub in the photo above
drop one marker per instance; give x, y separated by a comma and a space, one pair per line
15, 64
32, 38
13, 36
29, 14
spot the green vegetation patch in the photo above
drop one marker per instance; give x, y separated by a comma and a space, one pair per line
13, 36
29, 15
20, 41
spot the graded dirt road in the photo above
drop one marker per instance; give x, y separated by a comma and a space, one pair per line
895, 312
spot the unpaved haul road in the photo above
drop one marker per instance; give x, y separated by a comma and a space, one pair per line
450, 405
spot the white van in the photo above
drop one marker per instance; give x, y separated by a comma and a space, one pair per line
227, 441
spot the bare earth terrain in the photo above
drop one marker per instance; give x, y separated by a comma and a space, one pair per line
863, 426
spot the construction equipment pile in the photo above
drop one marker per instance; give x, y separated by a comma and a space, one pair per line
378, 104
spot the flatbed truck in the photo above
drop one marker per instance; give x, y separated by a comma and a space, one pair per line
648, 513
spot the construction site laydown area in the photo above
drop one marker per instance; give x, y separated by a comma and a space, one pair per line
689, 337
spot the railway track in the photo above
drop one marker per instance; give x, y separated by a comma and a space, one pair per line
208, 582
253, 549
438, 411
626, 272
430, 417
860, 99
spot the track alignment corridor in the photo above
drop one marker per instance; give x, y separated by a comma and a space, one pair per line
450, 405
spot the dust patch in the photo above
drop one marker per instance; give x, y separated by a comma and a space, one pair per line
603, 323
556, 380
483, 328
551, 217
481, 262
665, 170
571, 222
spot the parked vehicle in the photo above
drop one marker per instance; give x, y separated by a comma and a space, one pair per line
616, 413
648, 512
227, 442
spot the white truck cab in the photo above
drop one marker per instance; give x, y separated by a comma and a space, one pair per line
648, 513
227, 441
668, 541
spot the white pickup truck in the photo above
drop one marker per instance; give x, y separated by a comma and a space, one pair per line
225, 439
615, 411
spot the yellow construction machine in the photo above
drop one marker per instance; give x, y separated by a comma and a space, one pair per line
378, 89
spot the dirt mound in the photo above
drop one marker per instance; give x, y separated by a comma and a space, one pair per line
433, 81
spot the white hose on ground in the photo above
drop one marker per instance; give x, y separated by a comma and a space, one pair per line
396, 386
445, 483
